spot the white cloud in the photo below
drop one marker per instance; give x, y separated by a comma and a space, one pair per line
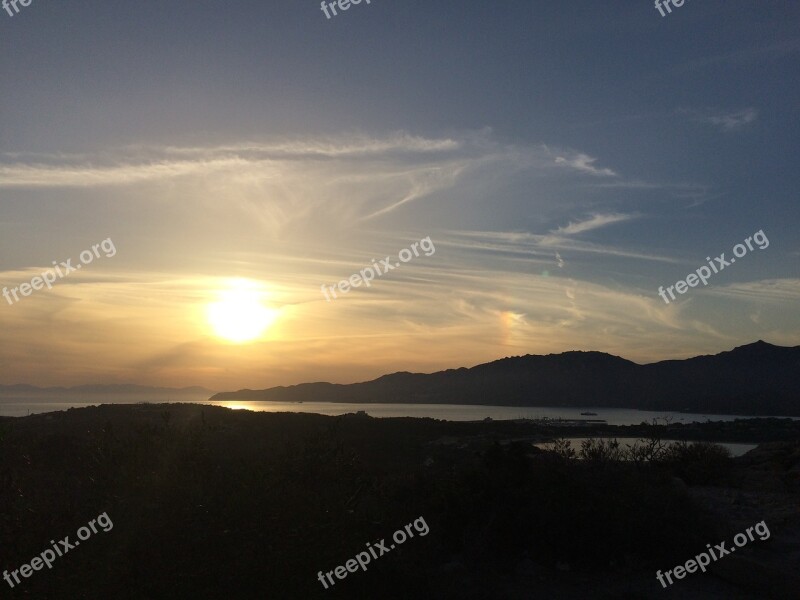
585, 164
733, 120
38, 175
295, 184
595, 222
136, 164
767, 290
541, 246
341, 146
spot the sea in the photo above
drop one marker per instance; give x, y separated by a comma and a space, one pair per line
20, 407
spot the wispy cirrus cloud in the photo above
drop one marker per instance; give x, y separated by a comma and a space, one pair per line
539, 246
298, 183
327, 146
725, 120
135, 163
767, 290
138, 163
41, 175
732, 121
274, 184
585, 164
594, 222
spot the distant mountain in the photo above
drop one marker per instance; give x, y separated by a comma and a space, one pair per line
756, 379
123, 391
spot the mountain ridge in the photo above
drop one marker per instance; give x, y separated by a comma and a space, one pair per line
753, 379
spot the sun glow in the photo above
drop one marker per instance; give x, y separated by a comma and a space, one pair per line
239, 315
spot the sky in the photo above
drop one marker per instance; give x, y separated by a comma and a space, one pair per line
231, 161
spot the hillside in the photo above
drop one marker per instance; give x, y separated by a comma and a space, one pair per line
757, 379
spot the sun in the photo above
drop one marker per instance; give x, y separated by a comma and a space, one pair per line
238, 315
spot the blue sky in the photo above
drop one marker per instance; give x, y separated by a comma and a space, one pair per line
566, 160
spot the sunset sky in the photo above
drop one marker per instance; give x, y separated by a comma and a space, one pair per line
565, 158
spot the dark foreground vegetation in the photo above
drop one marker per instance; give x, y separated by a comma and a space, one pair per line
212, 503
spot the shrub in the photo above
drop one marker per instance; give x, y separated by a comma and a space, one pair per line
698, 463
561, 447
601, 451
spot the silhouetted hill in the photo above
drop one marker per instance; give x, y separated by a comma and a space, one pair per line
758, 379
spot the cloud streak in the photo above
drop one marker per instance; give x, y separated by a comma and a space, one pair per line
594, 222
732, 121
584, 164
